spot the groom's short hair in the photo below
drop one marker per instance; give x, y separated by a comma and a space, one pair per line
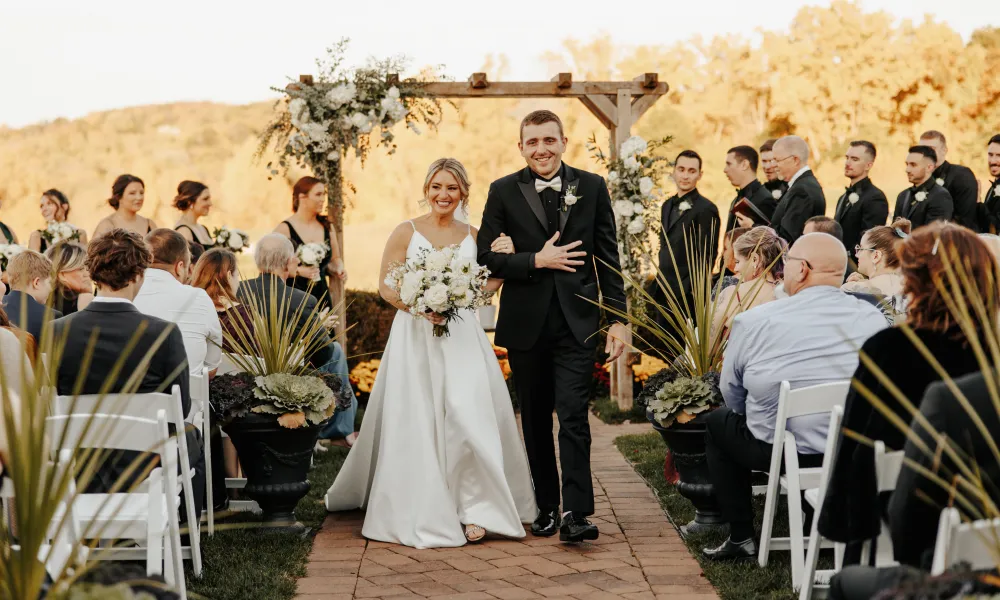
539, 117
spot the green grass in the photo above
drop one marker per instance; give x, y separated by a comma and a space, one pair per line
605, 409
242, 562
734, 581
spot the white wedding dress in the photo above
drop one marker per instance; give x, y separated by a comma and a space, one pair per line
439, 447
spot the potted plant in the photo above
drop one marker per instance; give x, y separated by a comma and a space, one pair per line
274, 409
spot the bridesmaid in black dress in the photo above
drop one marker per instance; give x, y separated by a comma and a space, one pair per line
128, 194
7, 235
194, 200
309, 226
54, 206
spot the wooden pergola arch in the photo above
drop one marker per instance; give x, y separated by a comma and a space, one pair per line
618, 105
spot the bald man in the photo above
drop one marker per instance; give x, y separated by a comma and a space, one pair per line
807, 339
804, 198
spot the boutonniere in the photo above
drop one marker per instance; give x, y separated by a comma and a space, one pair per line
853, 198
939, 181
920, 196
683, 207
569, 198
996, 190
776, 194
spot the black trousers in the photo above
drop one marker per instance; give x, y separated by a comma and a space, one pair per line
733, 453
555, 375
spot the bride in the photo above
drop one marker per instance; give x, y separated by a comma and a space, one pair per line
439, 460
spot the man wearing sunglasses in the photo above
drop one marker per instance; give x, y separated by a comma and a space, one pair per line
804, 197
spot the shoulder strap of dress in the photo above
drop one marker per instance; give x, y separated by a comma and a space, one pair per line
6, 233
188, 228
294, 235
412, 225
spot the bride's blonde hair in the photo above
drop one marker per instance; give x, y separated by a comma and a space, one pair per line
457, 170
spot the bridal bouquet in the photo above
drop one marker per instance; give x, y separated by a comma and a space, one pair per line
231, 239
312, 255
57, 232
440, 281
7, 252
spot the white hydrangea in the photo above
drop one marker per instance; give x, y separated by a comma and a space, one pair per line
633, 145
631, 163
638, 208
341, 95
646, 186
636, 225
624, 208
613, 177
393, 92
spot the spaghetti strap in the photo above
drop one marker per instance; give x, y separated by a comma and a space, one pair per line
412, 225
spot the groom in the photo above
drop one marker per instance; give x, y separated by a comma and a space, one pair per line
560, 222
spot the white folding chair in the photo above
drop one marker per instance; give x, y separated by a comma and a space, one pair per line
972, 543
201, 417
147, 406
812, 400
150, 515
811, 577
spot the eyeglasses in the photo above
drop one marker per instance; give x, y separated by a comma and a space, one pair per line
789, 257
858, 249
778, 160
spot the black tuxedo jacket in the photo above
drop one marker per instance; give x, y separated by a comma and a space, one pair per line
758, 195
27, 313
803, 200
938, 205
514, 208
698, 225
913, 521
964, 189
261, 288
989, 210
870, 210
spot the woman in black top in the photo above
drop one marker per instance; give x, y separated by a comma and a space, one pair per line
54, 207
852, 511
128, 194
307, 226
194, 200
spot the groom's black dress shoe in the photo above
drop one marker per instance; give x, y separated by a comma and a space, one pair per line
547, 523
732, 551
576, 528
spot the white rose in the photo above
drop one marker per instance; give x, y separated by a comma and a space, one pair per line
996, 190
631, 163
939, 181
624, 208
393, 92
612, 176
853, 198
460, 282
570, 199
235, 241
436, 297
437, 261
638, 208
636, 225
410, 287
645, 186
684, 207
921, 196
776, 194
633, 145
463, 299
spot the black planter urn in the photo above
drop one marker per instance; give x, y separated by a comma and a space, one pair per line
276, 462
687, 443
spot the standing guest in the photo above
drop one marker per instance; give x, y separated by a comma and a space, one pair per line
194, 200
741, 169
55, 209
862, 206
807, 339
878, 261
824, 224
989, 221
7, 235
926, 201
957, 179
164, 295
308, 225
758, 254
690, 226
30, 276
127, 196
72, 289
804, 197
852, 509
772, 174
99, 336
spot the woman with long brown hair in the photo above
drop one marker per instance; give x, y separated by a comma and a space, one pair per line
852, 509
308, 225
128, 194
72, 289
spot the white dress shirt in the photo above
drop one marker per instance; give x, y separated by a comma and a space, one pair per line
191, 309
807, 339
798, 174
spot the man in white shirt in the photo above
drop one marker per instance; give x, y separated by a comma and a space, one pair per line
809, 338
164, 295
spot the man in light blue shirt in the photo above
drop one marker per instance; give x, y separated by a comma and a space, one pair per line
811, 337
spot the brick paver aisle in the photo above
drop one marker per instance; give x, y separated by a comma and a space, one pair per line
639, 555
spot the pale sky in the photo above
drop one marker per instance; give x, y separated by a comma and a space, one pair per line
67, 58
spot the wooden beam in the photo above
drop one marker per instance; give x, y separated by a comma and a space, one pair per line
641, 104
536, 89
602, 108
563, 80
306, 79
392, 79
648, 80
478, 81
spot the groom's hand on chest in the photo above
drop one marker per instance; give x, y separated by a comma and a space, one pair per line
559, 258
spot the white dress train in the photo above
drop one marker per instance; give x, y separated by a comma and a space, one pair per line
439, 446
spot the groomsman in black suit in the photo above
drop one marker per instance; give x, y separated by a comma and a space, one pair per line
926, 201
989, 221
687, 218
772, 176
862, 206
741, 169
957, 179
804, 197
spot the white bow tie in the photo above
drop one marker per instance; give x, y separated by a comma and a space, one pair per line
555, 184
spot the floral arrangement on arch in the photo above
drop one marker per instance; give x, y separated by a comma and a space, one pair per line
635, 197
344, 108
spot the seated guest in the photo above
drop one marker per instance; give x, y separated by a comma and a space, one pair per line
916, 504
878, 261
218, 274
992, 242
807, 339
164, 295
824, 224
72, 289
728, 257
758, 255
17, 373
197, 250
30, 276
97, 336
852, 510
